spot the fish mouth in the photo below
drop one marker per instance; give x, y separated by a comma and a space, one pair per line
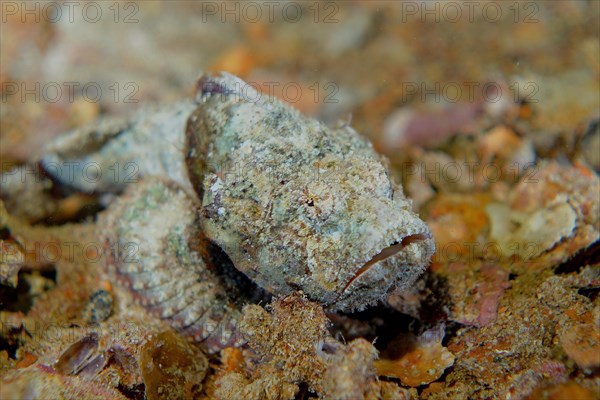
387, 252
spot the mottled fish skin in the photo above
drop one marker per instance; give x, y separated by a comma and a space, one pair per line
148, 143
297, 205
151, 237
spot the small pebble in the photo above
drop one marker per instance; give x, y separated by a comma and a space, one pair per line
99, 308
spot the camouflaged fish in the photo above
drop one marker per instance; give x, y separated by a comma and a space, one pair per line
291, 203
297, 205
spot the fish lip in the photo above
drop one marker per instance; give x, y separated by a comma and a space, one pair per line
384, 254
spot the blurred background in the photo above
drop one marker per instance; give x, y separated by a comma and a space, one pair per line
405, 73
